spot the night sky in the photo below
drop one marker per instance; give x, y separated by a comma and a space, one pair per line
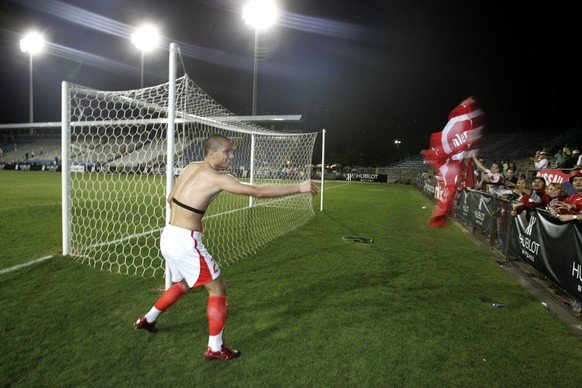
369, 72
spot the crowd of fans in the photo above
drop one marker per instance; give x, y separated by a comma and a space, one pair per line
504, 180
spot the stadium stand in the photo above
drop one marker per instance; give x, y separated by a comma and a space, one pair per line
516, 146
32, 150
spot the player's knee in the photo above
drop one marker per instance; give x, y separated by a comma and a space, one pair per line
216, 287
221, 289
185, 286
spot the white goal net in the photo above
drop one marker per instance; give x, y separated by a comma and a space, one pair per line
115, 168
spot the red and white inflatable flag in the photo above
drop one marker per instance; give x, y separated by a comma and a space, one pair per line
451, 152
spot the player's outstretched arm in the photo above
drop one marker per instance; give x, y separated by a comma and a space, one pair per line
228, 183
308, 187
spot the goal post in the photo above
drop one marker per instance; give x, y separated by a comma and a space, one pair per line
121, 151
171, 142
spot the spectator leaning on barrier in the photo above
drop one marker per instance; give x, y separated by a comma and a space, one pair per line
570, 208
555, 192
492, 177
522, 183
531, 198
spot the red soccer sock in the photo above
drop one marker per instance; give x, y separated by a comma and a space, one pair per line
216, 313
169, 297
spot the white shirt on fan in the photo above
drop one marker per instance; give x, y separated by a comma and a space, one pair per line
542, 163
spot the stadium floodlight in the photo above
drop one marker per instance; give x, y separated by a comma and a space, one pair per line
146, 39
32, 43
259, 14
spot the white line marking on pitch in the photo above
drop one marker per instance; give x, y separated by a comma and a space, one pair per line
6, 270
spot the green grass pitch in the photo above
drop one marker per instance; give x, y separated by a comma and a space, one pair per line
308, 310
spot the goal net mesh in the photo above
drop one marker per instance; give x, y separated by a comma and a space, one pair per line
117, 147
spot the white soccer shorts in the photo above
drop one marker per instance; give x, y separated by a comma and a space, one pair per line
187, 257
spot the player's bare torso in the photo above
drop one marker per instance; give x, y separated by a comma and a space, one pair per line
195, 188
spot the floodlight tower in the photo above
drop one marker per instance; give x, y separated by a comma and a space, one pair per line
145, 39
32, 43
259, 14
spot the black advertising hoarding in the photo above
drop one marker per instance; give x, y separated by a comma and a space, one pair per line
355, 177
552, 247
476, 208
462, 208
482, 211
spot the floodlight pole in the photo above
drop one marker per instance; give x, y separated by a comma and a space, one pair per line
31, 99
32, 44
258, 14
255, 69
142, 61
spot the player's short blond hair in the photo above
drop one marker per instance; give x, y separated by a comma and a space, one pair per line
213, 142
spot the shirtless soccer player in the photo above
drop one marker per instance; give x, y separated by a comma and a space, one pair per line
181, 244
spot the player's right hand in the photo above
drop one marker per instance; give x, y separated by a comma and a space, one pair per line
309, 186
